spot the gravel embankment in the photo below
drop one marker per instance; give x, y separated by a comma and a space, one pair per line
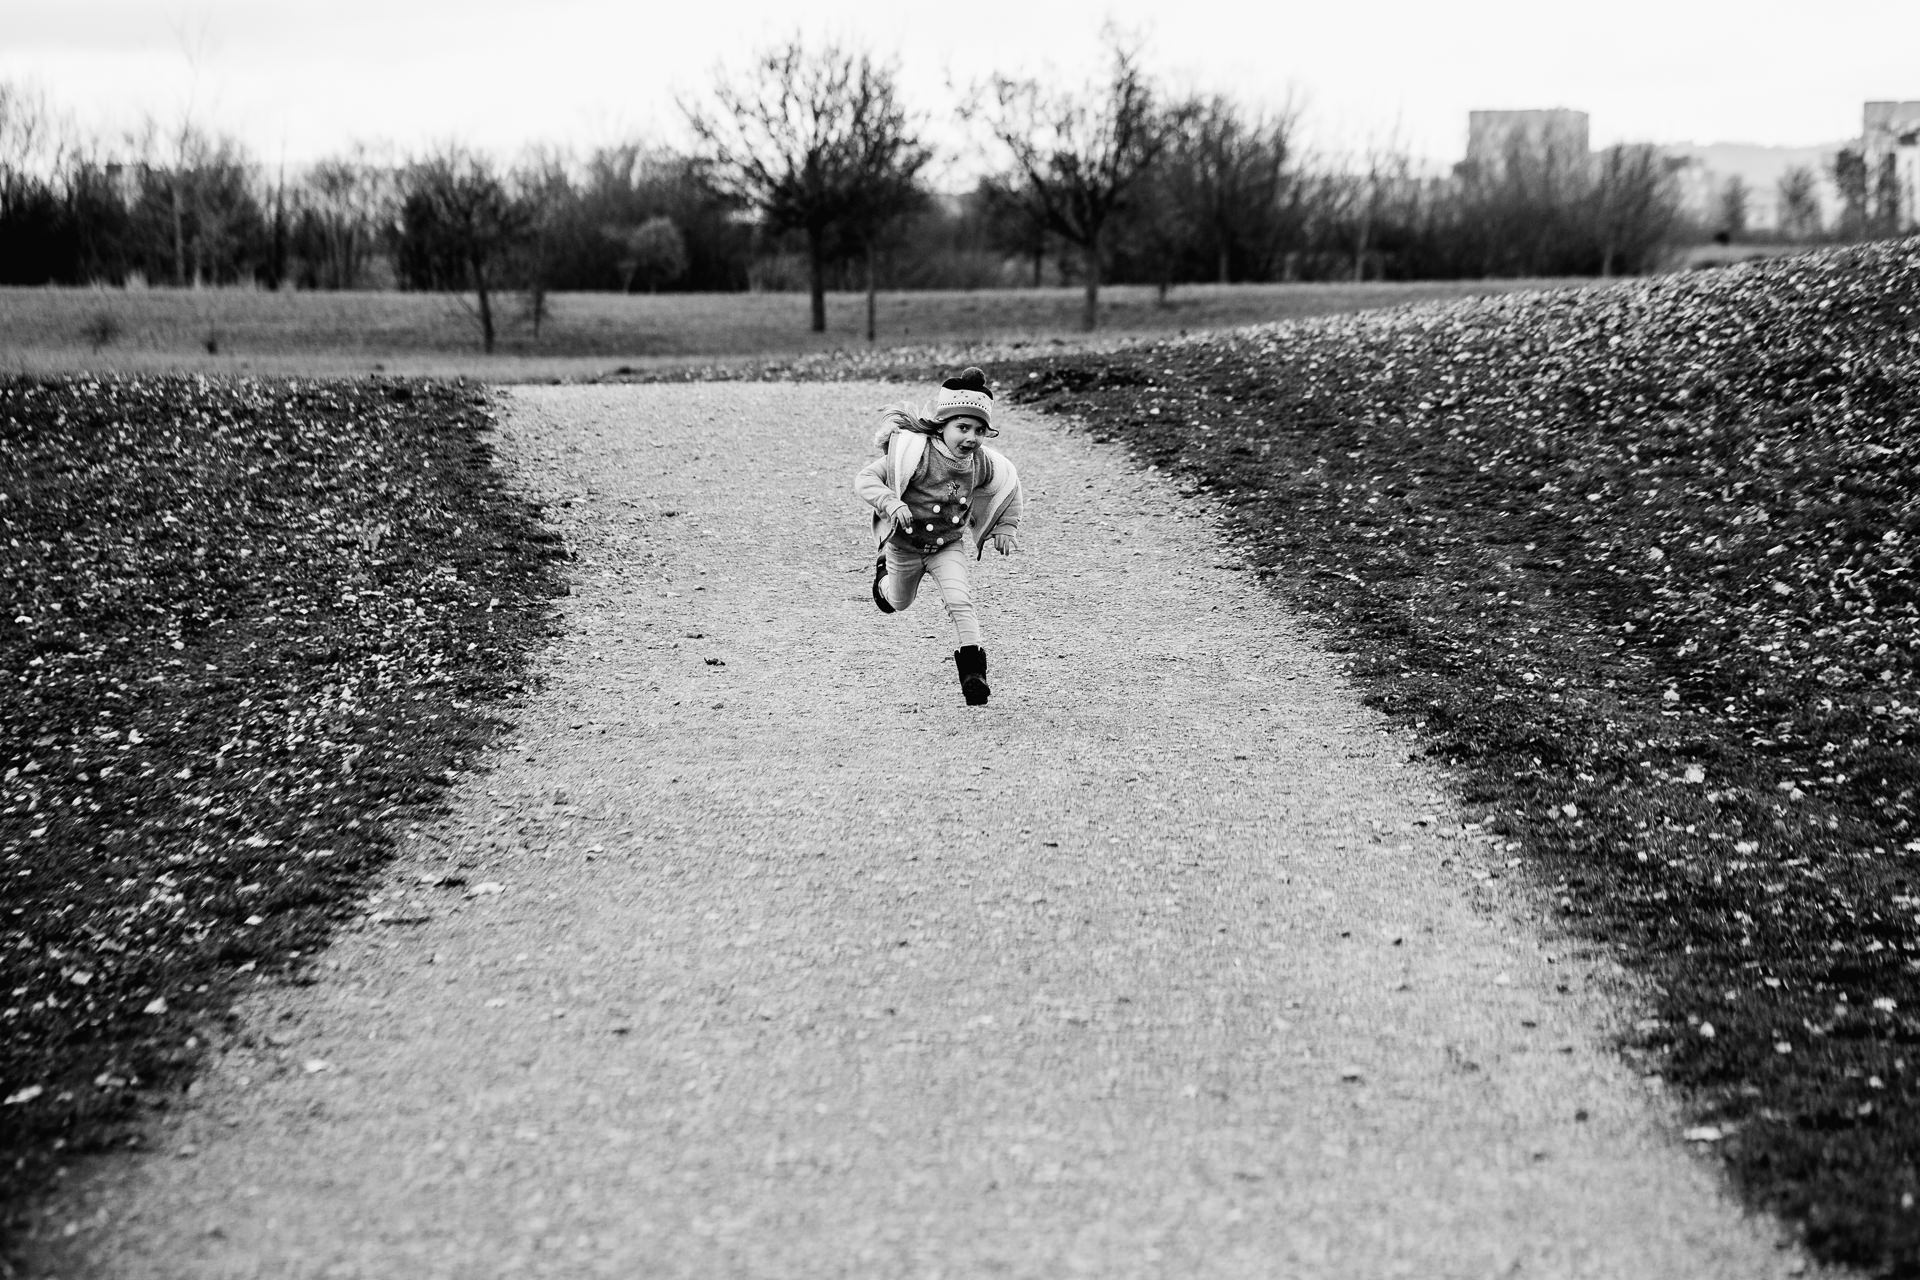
758, 954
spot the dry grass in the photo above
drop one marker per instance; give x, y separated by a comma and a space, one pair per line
588, 334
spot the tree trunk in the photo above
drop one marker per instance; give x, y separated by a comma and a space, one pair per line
870, 295
1226, 276
277, 271
179, 237
486, 307
1090, 258
1039, 261
817, 272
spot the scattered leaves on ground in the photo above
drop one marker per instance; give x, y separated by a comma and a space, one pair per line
249, 627
1639, 561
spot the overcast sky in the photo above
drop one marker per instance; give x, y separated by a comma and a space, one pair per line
306, 78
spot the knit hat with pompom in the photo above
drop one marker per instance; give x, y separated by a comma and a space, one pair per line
964, 395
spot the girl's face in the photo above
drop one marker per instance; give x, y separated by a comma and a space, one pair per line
963, 435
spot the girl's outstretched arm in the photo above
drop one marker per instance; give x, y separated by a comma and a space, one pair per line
1015, 508
871, 486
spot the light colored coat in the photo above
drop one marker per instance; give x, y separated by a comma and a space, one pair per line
882, 482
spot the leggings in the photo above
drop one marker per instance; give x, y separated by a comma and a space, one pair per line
948, 569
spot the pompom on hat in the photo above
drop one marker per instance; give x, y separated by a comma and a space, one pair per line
964, 395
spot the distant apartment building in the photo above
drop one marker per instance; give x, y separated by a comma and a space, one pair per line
1890, 138
1556, 135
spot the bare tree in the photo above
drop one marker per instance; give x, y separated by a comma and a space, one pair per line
1240, 184
194, 151
1157, 225
1798, 192
30, 150
1011, 225
1215, 199
197, 214
345, 201
227, 216
1886, 196
542, 190
1079, 154
32, 158
1849, 171
97, 209
890, 190
817, 143
1731, 206
621, 188
459, 228
1636, 206
1383, 171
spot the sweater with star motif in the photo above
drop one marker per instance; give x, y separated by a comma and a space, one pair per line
916, 473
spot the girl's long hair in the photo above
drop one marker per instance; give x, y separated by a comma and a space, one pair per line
900, 417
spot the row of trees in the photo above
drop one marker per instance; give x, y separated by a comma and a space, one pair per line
1872, 204
807, 170
1870, 195
1117, 178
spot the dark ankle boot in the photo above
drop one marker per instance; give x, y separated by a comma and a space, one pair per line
879, 572
971, 661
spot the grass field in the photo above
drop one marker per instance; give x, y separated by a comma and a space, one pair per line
588, 335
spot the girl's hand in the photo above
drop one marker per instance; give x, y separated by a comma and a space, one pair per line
903, 518
1005, 542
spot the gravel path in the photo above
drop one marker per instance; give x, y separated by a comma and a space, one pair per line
761, 955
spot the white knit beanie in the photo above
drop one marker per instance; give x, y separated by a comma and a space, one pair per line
965, 395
